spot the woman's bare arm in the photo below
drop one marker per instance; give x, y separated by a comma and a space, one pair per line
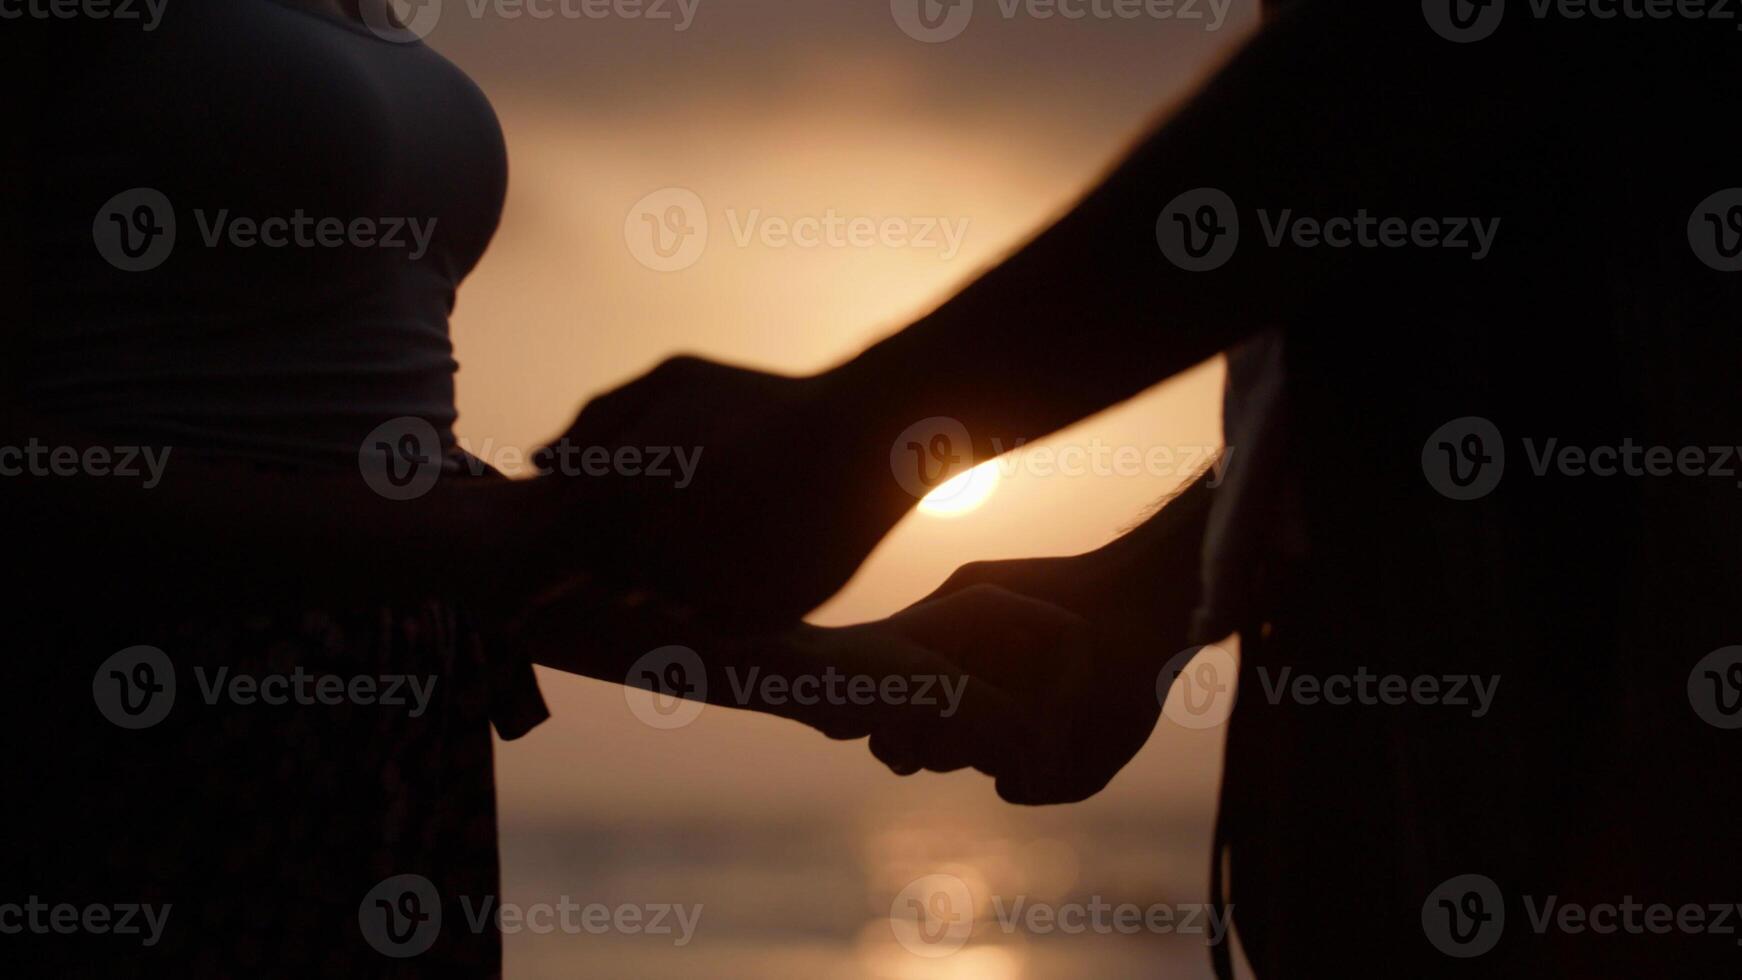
215, 529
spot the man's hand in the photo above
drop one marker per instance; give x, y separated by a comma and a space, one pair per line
1091, 688
788, 493
1004, 726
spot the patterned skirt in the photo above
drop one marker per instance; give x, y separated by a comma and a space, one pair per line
283, 794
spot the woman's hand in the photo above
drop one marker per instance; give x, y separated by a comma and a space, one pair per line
1093, 688
901, 681
987, 658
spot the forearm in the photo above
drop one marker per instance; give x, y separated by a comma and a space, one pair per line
1148, 579
1320, 113
593, 631
1150, 574
202, 528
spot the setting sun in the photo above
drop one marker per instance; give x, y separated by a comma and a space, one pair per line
962, 494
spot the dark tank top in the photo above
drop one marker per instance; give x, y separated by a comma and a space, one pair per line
248, 224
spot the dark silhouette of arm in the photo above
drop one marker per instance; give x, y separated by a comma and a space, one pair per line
217, 529
1327, 110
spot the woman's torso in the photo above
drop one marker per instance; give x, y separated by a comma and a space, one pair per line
329, 189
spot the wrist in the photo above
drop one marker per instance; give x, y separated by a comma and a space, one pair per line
870, 408
537, 535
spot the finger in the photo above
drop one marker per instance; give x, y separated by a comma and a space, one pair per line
973, 573
987, 730
911, 736
1012, 640
894, 747
963, 621
602, 421
606, 418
